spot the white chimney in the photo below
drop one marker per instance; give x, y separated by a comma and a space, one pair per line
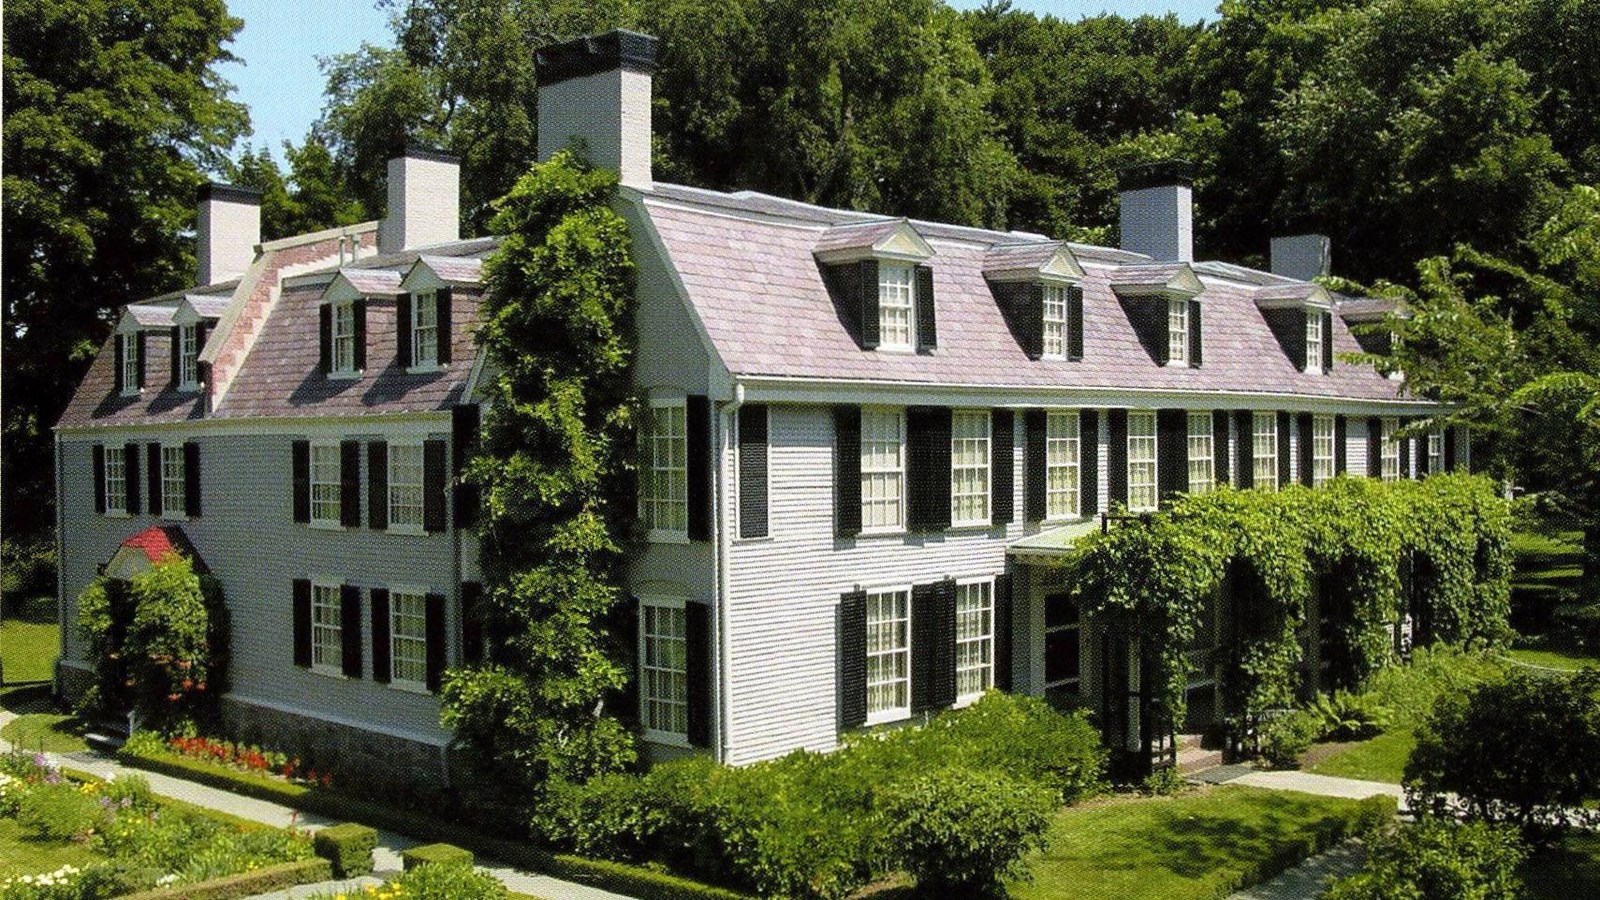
228, 231
424, 201
1302, 256
595, 92
1158, 210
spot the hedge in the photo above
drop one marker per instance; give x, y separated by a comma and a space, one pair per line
348, 846
245, 884
438, 854
1369, 817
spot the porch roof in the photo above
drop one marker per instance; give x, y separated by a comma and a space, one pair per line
1052, 543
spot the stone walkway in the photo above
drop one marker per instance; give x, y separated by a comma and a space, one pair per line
1310, 879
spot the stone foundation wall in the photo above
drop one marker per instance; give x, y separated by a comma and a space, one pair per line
360, 760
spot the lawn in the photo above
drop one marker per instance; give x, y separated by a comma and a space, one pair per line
1555, 658
1382, 758
47, 731
28, 650
1564, 873
1196, 846
23, 854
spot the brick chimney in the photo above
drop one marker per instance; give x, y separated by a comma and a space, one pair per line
595, 91
424, 201
1158, 210
228, 231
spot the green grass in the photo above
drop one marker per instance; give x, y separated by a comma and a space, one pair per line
1197, 846
50, 732
23, 854
1566, 872
1382, 758
29, 649
1570, 660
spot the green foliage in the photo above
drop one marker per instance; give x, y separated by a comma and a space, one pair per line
1522, 749
962, 830
312, 196
1409, 692
1343, 716
1439, 860
440, 854
263, 880
449, 881
59, 812
348, 846
1284, 737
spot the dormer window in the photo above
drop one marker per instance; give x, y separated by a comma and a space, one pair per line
130, 364
896, 319
1314, 338
877, 273
425, 330
1177, 332
1055, 321
344, 338
188, 357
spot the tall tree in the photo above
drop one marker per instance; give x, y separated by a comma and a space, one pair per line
113, 111
312, 196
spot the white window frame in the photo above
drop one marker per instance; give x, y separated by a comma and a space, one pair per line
897, 298
1055, 322
883, 473
323, 448
670, 670
174, 485
411, 649
1264, 439
1435, 451
1144, 493
1389, 450
663, 450
900, 594
975, 650
1177, 332
321, 631
1324, 450
1063, 455
1201, 453
1314, 338
130, 363
403, 495
188, 357
116, 477
428, 301
342, 339
971, 481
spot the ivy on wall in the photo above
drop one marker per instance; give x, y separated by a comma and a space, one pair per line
556, 482
1372, 552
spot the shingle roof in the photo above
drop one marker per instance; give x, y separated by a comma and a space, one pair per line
207, 306
455, 269
372, 282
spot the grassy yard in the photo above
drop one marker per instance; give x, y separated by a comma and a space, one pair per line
23, 854
47, 731
1382, 758
1555, 658
28, 650
1567, 872
1192, 847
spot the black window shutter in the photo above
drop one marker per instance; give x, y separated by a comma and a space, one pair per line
928, 467
301, 456
1074, 323
1285, 458
465, 435
1327, 342
350, 629
1341, 450
1002, 467
1148, 316
624, 629
359, 309
1219, 445
1031, 318
380, 635
191, 479
100, 478
942, 692
325, 337
116, 358
1422, 455
1117, 457
698, 413
1034, 425
753, 471
140, 368
1305, 430
433, 485
471, 623
1002, 632
402, 330
1244, 422
433, 623
153, 477
931, 686
350, 484
174, 346
444, 299
302, 623
1449, 449
130, 463
377, 485
927, 325
853, 659
847, 470
697, 672
1196, 336
1289, 327
1405, 452
866, 302
1088, 462
1375, 447
1172, 453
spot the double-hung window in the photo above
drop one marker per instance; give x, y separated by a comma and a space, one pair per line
1141, 460
405, 487
1178, 331
325, 484
974, 639
1055, 321
969, 467
897, 329
1062, 447
882, 469
1313, 341
344, 338
1436, 451
888, 655
327, 632
663, 669
1322, 450
425, 330
1389, 450
408, 638
665, 498
130, 362
1264, 449
172, 480
116, 481
188, 356
1202, 466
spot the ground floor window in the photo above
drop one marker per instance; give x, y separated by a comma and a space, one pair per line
408, 638
327, 633
663, 668
888, 655
1062, 653
974, 639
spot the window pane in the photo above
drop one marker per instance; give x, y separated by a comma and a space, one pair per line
172, 480
1141, 460
1389, 450
1322, 450
664, 669
1264, 450
408, 637
130, 363
969, 468
664, 494
344, 337
425, 329
974, 638
1313, 340
895, 328
327, 646
1055, 321
325, 483
405, 485
188, 354
116, 480
1178, 330
888, 652
1061, 451
1202, 472
882, 468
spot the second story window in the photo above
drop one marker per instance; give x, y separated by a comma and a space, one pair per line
1062, 451
116, 481
325, 484
1264, 450
664, 494
1141, 460
1322, 450
1178, 332
896, 320
172, 480
425, 330
344, 338
130, 363
405, 487
969, 467
1055, 321
1389, 447
882, 469
188, 356
1202, 468
1313, 341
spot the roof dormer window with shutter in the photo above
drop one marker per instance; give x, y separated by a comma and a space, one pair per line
1178, 332
130, 362
897, 327
877, 274
1038, 285
1300, 315
346, 304
1162, 302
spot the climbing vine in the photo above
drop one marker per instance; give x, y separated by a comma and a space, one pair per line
556, 485
1371, 552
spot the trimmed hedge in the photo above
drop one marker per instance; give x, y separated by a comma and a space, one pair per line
245, 884
348, 846
439, 854
1369, 817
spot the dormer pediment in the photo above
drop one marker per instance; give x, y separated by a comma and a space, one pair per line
145, 317
430, 273
1044, 261
355, 284
196, 308
1369, 310
1175, 281
887, 239
1294, 295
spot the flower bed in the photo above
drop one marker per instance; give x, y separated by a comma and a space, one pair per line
249, 758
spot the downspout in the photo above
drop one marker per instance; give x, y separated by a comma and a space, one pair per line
723, 548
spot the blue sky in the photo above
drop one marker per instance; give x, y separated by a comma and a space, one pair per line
280, 42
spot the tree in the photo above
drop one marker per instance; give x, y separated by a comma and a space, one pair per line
113, 111
312, 197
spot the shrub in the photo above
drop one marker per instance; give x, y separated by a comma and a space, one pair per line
65, 883
440, 854
60, 811
129, 791
348, 846
1163, 781
449, 882
1343, 716
966, 830
1285, 737
1439, 860
1408, 691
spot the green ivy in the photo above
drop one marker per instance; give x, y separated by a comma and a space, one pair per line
1263, 555
556, 479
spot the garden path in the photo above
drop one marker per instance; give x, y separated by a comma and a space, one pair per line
1310, 879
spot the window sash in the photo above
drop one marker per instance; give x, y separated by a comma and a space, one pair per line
1389, 450
425, 330
344, 337
1178, 331
325, 484
405, 486
1264, 449
1322, 450
1202, 456
882, 469
888, 655
172, 481
1435, 452
116, 480
327, 638
408, 638
665, 496
188, 355
974, 639
1062, 449
1313, 341
1142, 494
1055, 321
130, 362
969, 467
664, 669
896, 320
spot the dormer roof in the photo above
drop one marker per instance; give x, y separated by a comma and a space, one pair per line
145, 317
1294, 295
1175, 280
1031, 261
1363, 310
199, 307
353, 284
889, 239
452, 271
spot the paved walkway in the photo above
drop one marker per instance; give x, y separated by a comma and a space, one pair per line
1312, 878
